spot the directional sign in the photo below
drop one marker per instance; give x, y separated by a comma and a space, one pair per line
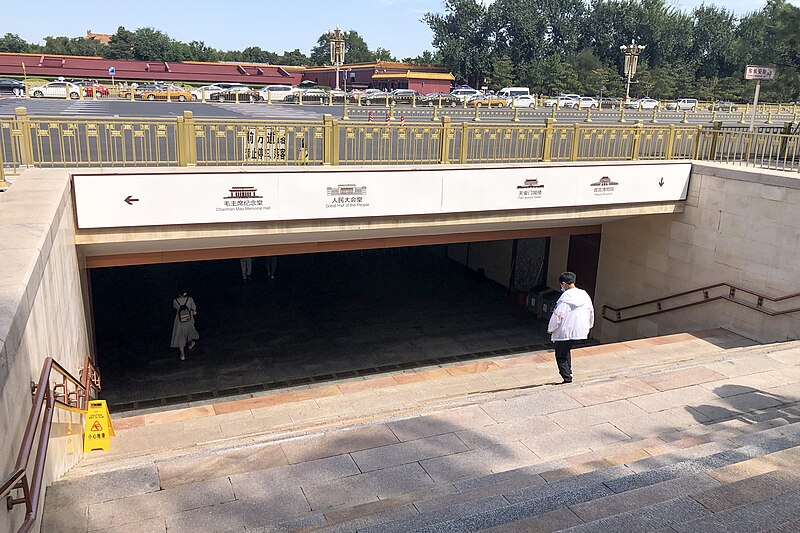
755, 72
112, 71
129, 200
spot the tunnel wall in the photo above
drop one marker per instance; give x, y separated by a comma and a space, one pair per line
41, 314
740, 226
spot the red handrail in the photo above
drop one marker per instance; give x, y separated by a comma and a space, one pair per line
46, 398
662, 304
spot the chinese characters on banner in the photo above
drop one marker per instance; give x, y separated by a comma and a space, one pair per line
266, 145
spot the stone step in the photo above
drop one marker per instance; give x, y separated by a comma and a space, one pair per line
541, 498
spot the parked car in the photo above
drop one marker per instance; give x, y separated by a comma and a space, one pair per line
163, 92
275, 93
139, 89
587, 102
608, 102
90, 87
309, 95
642, 103
466, 93
723, 106
435, 99
564, 100
209, 90
511, 92
523, 100
375, 98
237, 92
56, 89
487, 100
11, 86
684, 104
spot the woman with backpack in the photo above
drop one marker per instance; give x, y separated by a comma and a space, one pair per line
183, 330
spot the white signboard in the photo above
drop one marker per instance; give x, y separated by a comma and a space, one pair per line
122, 200
755, 72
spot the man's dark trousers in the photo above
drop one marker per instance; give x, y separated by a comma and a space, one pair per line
564, 359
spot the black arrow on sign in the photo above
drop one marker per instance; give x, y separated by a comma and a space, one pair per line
661, 183
129, 200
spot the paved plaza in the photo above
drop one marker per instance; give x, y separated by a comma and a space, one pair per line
690, 432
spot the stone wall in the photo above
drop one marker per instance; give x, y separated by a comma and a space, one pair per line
41, 314
740, 226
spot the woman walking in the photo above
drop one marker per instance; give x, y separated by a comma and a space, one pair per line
183, 330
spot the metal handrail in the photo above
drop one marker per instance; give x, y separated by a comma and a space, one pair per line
729, 296
47, 398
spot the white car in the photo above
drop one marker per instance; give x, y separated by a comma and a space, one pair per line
466, 94
684, 104
564, 100
56, 89
276, 93
587, 102
643, 103
524, 100
209, 90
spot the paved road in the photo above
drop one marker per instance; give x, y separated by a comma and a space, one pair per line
313, 111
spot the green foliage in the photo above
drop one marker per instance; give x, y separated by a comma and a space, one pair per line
502, 73
11, 42
355, 50
570, 46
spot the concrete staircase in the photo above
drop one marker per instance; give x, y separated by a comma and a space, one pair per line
683, 433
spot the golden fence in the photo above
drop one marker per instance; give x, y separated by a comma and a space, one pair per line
186, 141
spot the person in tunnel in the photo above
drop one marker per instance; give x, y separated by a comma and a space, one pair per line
184, 333
272, 264
572, 319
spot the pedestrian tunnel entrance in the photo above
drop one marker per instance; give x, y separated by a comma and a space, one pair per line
324, 316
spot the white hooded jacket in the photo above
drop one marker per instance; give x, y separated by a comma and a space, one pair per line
573, 316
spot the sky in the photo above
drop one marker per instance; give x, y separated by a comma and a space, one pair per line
273, 25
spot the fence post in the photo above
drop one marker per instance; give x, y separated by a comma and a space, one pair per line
3, 182
637, 140
576, 133
190, 139
444, 141
26, 144
180, 139
697, 140
547, 146
715, 131
669, 153
327, 139
335, 137
464, 148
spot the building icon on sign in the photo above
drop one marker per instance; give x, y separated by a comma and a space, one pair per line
531, 184
605, 181
242, 193
347, 189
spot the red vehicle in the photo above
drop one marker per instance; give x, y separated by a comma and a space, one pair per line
89, 87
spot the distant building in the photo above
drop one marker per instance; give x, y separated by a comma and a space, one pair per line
385, 75
103, 38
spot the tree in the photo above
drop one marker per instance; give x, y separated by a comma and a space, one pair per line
294, 57
355, 50
120, 46
713, 43
13, 43
463, 37
382, 54
502, 73
425, 58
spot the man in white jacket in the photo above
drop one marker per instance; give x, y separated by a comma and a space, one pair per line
572, 319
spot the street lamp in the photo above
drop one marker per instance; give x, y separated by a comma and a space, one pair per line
337, 50
631, 52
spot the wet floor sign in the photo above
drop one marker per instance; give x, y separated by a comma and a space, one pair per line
99, 430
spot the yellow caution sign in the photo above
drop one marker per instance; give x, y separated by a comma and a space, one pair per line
99, 430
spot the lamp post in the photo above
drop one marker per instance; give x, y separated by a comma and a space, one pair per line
337, 50
631, 52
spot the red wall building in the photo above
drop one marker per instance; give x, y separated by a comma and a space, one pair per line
379, 75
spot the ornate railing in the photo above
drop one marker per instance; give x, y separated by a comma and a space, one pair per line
186, 141
56, 388
703, 295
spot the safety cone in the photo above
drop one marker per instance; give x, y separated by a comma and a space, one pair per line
402, 119
369, 117
388, 118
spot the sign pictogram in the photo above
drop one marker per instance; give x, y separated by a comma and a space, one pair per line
98, 428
